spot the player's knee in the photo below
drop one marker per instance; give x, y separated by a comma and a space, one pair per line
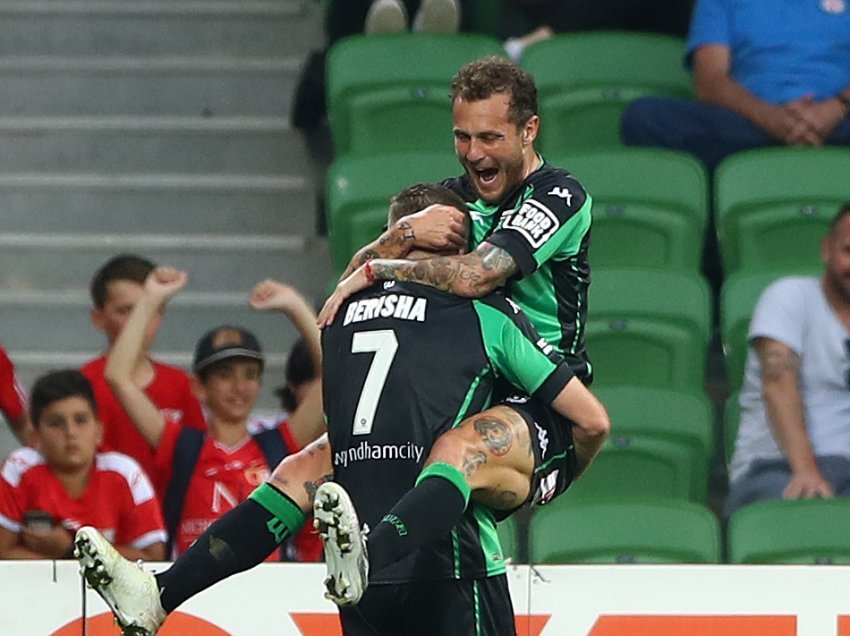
452, 447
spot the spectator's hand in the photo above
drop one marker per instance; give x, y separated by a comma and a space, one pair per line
821, 117
272, 295
54, 543
438, 227
164, 282
787, 125
808, 485
346, 287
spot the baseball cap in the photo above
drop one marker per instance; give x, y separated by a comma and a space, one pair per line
226, 341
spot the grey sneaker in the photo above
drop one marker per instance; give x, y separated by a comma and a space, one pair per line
345, 544
386, 16
437, 16
131, 593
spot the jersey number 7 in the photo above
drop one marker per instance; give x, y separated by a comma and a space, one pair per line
384, 345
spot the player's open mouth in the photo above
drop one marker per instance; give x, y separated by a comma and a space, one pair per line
487, 175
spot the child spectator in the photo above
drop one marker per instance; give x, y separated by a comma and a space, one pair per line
46, 495
115, 288
205, 476
13, 401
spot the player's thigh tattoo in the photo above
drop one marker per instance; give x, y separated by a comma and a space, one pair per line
473, 462
496, 435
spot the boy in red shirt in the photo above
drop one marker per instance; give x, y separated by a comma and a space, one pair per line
13, 401
46, 495
115, 288
206, 476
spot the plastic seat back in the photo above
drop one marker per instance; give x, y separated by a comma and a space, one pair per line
391, 92
681, 417
585, 80
810, 531
624, 531
648, 328
775, 204
639, 219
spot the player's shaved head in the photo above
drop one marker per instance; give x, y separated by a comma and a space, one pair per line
418, 197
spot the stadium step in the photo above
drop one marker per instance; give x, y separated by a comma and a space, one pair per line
239, 145
157, 204
208, 87
51, 317
56, 262
156, 27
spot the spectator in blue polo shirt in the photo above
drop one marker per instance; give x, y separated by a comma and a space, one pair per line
766, 72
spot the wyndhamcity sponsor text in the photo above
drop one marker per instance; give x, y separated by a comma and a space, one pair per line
379, 452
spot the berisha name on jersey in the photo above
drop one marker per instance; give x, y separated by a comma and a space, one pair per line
399, 306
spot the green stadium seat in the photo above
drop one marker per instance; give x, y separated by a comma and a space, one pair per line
803, 531
636, 466
775, 204
390, 92
648, 328
359, 190
639, 219
624, 531
585, 80
681, 417
738, 298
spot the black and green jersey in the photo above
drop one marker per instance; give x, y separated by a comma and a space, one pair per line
403, 363
544, 224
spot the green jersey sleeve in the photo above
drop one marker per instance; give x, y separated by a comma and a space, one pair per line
517, 352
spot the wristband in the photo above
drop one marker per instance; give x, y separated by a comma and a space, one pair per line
367, 269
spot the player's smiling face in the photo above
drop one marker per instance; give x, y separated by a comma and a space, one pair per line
495, 152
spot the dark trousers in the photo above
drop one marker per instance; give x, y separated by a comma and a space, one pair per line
710, 133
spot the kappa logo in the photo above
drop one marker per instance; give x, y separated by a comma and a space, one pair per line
513, 305
563, 193
547, 487
543, 440
534, 221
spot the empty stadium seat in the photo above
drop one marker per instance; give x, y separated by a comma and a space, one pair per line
391, 92
618, 531
585, 80
637, 466
811, 531
648, 328
639, 219
775, 204
359, 191
681, 417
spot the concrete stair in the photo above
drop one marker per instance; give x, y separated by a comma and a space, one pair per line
159, 128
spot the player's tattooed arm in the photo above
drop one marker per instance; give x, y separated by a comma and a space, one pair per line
469, 275
395, 242
437, 227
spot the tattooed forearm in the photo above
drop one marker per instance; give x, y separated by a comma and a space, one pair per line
310, 487
473, 462
496, 434
470, 275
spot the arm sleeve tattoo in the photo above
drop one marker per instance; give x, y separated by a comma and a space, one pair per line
471, 275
